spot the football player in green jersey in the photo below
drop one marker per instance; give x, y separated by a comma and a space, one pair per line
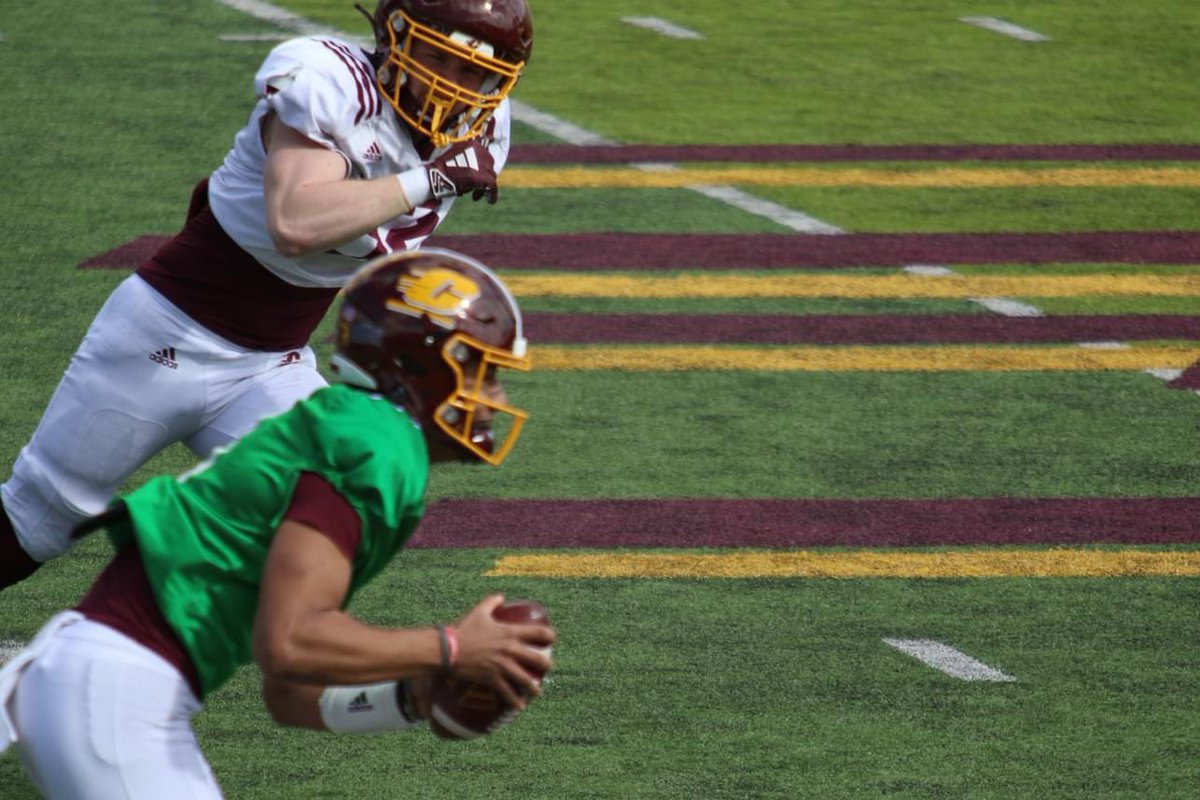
254, 555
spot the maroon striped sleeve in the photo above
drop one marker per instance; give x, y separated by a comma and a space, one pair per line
349, 64
364, 75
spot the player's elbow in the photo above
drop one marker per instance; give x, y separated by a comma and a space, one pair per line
292, 241
277, 656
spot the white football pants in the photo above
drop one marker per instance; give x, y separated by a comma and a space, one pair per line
146, 376
98, 716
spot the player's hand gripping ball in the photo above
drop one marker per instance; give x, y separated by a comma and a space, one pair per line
463, 709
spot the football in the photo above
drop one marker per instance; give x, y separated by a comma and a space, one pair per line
463, 709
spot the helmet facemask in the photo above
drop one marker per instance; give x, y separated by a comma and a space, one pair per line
490, 436
447, 111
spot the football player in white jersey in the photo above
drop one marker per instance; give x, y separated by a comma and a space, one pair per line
347, 155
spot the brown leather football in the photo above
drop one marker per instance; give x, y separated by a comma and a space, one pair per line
463, 709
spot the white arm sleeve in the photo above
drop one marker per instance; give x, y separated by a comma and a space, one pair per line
368, 709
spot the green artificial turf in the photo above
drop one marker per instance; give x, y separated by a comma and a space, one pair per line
760, 688
715, 689
994, 210
618, 210
1116, 305
872, 72
849, 434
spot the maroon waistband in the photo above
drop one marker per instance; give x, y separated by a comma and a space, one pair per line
122, 599
210, 278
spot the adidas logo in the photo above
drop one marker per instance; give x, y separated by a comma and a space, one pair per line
373, 153
466, 158
166, 357
439, 185
359, 703
289, 358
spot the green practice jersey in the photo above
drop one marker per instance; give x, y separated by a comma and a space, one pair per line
204, 536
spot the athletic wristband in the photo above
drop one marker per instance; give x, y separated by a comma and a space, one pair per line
448, 638
414, 185
368, 709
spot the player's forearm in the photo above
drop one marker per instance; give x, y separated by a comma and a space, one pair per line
294, 704
361, 708
321, 216
331, 647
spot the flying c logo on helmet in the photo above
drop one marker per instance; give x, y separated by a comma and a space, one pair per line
437, 293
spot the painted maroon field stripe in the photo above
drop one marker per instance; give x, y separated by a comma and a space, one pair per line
808, 523
1190, 379
631, 154
127, 256
646, 251
851, 329
637, 251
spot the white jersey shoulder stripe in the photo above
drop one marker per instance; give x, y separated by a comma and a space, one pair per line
364, 72
364, 87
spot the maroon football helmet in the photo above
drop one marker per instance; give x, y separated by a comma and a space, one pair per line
427, 329
489, 37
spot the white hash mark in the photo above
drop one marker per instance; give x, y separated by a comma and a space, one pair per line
662, 26
1006, 28
945, 658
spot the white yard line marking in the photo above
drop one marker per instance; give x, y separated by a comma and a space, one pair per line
255, 37
8, 649
1164, 374
1109, 345
781, 215
730, 195
1008, 307
1005, 306
558, 128
1006, 28
281, 17
573, 134
945, 658
662, 26
929, 270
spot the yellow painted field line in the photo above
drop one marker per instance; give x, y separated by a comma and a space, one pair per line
1057, 563
808, 284
932, 358
950, 178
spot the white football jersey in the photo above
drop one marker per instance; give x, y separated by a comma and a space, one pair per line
325, 89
